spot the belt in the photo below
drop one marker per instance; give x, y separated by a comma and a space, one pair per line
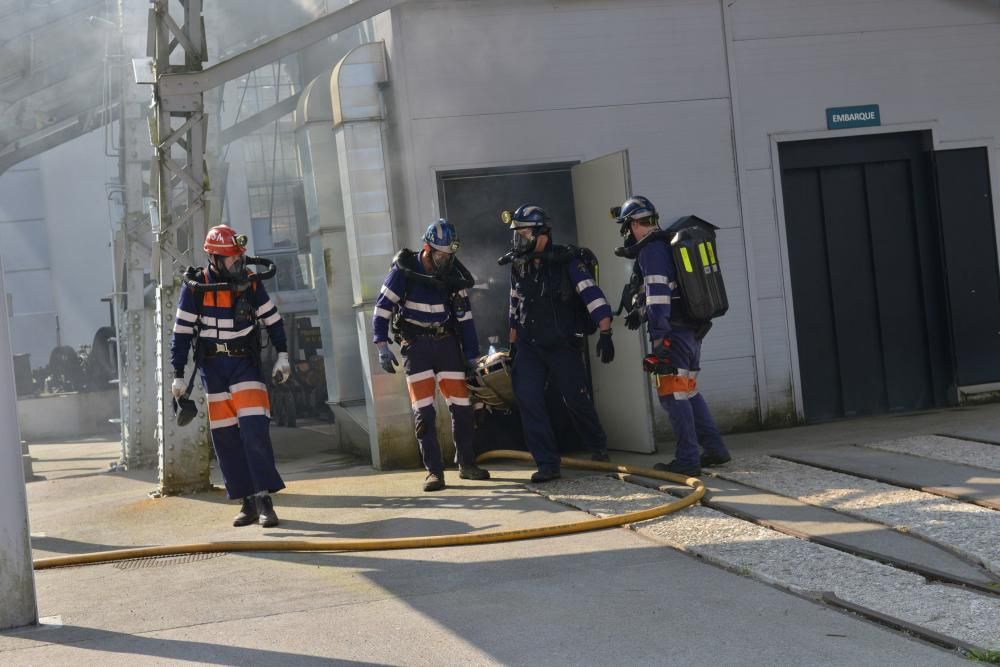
409, 330
240, 349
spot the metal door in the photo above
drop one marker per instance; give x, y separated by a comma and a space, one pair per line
866, 275
621, 389
970, 254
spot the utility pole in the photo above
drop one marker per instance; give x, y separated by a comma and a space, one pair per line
17, 579
179, 222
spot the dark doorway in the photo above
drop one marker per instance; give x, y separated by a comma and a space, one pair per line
473, 201
867, 275
967, 227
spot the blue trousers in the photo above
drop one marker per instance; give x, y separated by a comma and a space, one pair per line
562, 366
430, 361
689, 414
239, 414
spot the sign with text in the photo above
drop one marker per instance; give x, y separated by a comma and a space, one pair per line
840, 118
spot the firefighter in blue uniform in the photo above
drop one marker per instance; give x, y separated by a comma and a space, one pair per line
425, 300
223, 323
676, 342
553, 295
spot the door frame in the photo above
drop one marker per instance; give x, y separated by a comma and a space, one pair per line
777, 138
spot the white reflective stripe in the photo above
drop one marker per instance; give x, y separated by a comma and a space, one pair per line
658, 298
451, 375
186, 316
422, 403
209, 333
219, 398
389, 294
417, 377
463, 292
683, 372
249, 412
243, 386
223, 423
424, 307
268, 321
596, 303
681, 395
181, 329
266, 307
383, 313
584, 284
466, 317
219, 324
513, 293
455, 400
230, 335
659, 280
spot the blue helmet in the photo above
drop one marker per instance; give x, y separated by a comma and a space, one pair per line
527, 216
637, 208
442, 237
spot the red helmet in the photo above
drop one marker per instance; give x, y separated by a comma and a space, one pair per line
223, 240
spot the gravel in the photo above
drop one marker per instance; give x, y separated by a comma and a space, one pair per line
965, 529
943, 448
790, 563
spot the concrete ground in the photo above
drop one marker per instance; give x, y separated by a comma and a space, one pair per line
609, 597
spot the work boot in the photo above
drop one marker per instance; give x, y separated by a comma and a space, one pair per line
600, 456
542, 476
472, 471
709, 460
434, 481
248, 512
678, 469
268, 517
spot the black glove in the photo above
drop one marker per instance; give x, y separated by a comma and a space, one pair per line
633, 320
386, 359
470, 370
605, 347
512, 351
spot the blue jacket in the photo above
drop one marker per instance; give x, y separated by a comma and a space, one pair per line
221, 320
660, 283
422, 304
540, 311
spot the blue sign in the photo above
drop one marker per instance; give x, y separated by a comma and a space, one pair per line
840, 118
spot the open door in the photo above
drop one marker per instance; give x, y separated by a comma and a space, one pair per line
621, 389
970, 255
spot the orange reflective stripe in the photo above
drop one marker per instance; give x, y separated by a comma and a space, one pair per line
219, 410
251, 398
668, 385
452, 388
421, 389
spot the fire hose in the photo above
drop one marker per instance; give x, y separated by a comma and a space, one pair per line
425, 542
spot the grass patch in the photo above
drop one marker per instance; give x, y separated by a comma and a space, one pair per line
987, 656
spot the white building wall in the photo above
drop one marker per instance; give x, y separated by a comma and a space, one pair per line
928, 62
55, 240
480, 84
76, 202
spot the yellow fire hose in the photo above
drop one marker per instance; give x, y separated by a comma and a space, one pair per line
385, 544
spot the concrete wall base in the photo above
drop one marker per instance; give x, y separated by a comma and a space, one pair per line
71, 415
